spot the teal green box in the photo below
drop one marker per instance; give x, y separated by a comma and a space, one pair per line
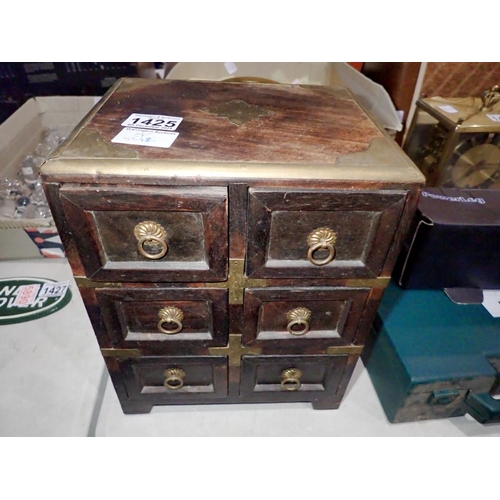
431, 358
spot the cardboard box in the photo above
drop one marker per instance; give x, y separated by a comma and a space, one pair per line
19, 135
454, 243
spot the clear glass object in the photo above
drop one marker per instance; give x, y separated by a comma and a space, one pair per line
36, 212
29, 170
23, 196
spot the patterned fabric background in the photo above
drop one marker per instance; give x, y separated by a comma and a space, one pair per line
446, 79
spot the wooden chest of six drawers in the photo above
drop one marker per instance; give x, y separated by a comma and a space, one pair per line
238, 254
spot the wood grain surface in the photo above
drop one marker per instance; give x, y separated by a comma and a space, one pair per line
300, 124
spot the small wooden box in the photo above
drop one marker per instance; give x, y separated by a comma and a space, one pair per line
231, 241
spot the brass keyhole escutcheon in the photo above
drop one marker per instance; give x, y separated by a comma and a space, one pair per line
174, 378
290, 379
151, 234
298, 317
322, 238
170, 315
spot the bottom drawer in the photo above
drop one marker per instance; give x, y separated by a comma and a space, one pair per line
291, 378
147, 381
170, 379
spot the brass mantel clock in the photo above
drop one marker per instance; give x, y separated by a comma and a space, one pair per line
456, 141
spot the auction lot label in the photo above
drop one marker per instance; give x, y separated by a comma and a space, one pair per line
26, 299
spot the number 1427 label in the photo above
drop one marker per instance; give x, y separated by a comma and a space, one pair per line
155, 122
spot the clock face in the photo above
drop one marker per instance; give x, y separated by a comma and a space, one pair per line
475, 163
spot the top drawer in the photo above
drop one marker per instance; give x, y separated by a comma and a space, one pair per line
149, 233
327, 234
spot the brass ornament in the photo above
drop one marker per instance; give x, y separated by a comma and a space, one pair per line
150, 232
237, 281
290, 379
170, 314
322, 238
174, 378
234, 350
490, 97
238, 112
298, 316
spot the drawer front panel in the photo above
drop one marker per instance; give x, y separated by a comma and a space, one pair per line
329, 234
159, 379
303, 317
149, 234
291, 378
166, 319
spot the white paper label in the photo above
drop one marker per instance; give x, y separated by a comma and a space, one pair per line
493, 118
140, 137
26, 295
448, 109
27, 170
231, 67
153, 122
491, 301
54, 289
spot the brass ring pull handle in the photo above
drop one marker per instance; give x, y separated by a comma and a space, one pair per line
296, 317
170, 315
174, 378
151, 232
290, 379
322, 238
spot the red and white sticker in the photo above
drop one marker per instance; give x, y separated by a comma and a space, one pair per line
26, 295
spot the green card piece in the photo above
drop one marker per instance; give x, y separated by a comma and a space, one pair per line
26, 299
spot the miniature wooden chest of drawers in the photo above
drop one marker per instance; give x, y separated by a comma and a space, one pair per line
231, 241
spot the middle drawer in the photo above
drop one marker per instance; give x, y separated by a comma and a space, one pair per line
164, 319
303, 317
175, 319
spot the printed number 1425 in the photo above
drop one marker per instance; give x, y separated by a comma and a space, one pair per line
156, 122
